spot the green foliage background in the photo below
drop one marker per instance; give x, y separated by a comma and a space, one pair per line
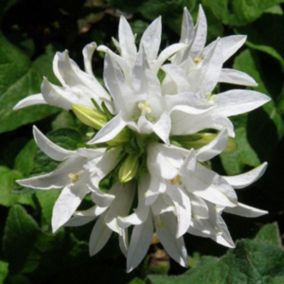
31, 31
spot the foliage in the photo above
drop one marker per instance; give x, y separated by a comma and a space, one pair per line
31, 31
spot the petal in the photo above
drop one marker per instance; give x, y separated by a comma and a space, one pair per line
230, 45
236, 102
151, 39
123, 242
200, 35
36, 99
121, 205
164, 161
246, 211
206, 78
68, 201
187, 27
184, 123
167, 53
141, 213
178, 75
166, 230
67, 71
182, 209
101, 198
214, 228
115, 81
57, 178
71, 76
109, 131
83, 217
119, 60
188, 103
236, 77
163, 127
162, 205
223, 235
99, 236
156, 187
244, 180
52, 150
102, 166
199, 207
140, 243
210, 186
88, 51
214, 148
126, 39
57, 96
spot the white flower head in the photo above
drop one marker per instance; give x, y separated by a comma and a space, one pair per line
154, 139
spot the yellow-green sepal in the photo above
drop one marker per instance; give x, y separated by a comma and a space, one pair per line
91, 117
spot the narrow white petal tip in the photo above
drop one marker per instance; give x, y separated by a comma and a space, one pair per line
129, 269
26, 183
55, 227
102, 48
20, 182
183, 262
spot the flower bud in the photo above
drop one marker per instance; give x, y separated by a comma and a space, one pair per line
89, 116
128, 169
121, 138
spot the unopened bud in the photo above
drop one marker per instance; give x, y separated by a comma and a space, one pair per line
121, 138
128, 169
89, 116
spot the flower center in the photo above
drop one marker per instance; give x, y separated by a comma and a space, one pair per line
74, 177
198, 59
176, 180
145, 109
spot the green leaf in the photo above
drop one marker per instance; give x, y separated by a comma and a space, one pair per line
239, 12
270, 234
268, 50
249, 139
3, 270
252, 261
137, 280
46, 200
263, 35
20, 234
244, 154
9, 192
19, 77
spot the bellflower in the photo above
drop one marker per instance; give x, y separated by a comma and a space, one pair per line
153, 140
198, 69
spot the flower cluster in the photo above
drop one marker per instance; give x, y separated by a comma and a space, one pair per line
157, 121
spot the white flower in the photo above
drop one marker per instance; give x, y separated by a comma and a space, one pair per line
155, 139
184, 196
78, 87
150, 42
139, 102
198, 69
196, 52
78, 174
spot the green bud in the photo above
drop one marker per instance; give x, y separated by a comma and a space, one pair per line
195, 141
128, 168
199, 140
89, 116
121, 138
